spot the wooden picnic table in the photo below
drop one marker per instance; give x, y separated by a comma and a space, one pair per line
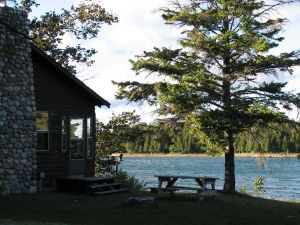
205, 186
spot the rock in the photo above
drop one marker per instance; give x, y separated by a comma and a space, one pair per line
17, 111
140, 201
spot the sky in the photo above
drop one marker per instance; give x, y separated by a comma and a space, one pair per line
140, 28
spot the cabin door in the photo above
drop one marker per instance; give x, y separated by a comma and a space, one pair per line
77, 139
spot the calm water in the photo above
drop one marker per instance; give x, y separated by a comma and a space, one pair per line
282, 175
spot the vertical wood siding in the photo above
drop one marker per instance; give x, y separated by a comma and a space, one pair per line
56, 94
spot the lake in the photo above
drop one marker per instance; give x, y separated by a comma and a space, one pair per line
281, 175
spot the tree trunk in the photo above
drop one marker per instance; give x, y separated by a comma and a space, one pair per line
229, 180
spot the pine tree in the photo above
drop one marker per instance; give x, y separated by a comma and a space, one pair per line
213, 79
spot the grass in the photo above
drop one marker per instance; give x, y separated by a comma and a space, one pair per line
58, 209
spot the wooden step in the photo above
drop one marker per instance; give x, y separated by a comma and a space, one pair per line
82, 184
111, 191
93, 186
90, 178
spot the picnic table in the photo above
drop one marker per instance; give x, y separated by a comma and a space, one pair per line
205, 186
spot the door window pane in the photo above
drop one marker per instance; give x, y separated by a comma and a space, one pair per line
76, 128
76, 138
76, 148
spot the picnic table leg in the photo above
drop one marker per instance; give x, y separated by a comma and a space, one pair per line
200, 182
213, 186
171, 182
160, 181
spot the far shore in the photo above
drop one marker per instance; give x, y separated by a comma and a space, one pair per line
238, 155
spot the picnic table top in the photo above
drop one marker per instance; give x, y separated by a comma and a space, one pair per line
185, 177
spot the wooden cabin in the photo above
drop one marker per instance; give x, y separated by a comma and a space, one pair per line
65, 121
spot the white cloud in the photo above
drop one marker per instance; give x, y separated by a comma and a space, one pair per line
140, 29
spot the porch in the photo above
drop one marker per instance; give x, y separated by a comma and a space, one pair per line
90, 185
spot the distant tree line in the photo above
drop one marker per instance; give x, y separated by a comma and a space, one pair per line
284, 139
132, 136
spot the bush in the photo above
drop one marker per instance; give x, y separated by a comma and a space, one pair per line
258, 186
243, 189
130, 181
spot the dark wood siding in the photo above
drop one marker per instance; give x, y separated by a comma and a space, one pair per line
90, 168
57, 95
55, 92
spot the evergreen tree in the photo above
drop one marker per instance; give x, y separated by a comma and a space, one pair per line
213, 80
146, 144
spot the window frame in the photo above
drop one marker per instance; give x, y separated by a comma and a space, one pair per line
67, 132
90, 136
43, 131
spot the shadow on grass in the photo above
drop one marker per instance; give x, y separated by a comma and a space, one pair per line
182, 209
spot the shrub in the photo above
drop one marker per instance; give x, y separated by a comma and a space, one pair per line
258, 186
130, 181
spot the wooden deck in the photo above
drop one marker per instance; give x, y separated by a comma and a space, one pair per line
90, 185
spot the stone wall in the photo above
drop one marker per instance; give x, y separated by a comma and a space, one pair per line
17, 105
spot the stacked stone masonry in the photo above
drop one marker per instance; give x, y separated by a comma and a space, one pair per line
17, 105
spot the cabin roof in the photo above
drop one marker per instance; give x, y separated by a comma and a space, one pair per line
99, 101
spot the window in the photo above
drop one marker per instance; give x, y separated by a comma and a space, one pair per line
76, 138
90, 143
42, 129
64, 124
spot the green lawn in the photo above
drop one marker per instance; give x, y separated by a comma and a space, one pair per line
182, 209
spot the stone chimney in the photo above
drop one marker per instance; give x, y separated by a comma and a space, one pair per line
17, 105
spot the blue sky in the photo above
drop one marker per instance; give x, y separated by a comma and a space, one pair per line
141, 29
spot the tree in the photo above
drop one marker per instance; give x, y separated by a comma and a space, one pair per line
82, 21
221, 78
112, 137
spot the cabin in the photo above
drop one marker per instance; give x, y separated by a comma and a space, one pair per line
65, 121
47, 117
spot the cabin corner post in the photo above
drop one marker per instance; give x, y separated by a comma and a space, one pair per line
18, 167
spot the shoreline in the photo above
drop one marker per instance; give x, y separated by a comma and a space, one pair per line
237, 155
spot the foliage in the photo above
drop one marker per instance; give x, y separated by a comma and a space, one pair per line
82, 21
130, 181
258, 186
280, 139
220, 78
111, 138
26, 5
243, 189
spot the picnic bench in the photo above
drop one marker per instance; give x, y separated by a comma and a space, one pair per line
205, 186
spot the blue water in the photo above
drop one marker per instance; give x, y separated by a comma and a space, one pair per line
281, 175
